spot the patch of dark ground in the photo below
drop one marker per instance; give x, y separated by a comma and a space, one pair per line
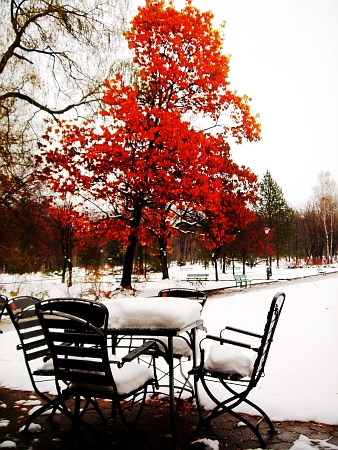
57, 434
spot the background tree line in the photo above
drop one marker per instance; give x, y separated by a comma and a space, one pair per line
37, 237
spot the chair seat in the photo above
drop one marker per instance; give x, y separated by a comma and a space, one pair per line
128, 379
228, 361
181, 348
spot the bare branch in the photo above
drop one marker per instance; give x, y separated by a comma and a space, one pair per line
85, 100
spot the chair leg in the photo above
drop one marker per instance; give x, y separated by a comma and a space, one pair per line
52, 414
264, 416
93, 402
243, 398
132, 425
76, 416
198, 403
76, 420
204, 423
222, 407
187, 386
51, 405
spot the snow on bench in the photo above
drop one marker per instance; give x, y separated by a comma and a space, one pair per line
197, 276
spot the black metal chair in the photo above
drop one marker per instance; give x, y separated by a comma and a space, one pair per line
3, 302
37, 356
237, 373
21, 311
192, 294
76, 332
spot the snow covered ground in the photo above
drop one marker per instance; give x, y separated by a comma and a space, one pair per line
301, 380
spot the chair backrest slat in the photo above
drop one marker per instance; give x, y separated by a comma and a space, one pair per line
74, 376
37, 354
60, 323
76, 351
68, 336
24, 323
28, 333
81, 364
33, 345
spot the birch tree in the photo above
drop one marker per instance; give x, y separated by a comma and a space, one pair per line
326, 199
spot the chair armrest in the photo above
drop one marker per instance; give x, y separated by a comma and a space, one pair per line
237, 330
228, 341
137, 352
194, 370
47, 357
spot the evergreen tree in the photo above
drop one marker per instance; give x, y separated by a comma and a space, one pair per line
276, 214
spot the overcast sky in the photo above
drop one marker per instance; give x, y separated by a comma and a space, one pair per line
285, 57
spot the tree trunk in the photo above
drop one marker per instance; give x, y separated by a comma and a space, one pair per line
131, 247
216, 270
128, 261
214, 258
163, 259
223, 264
64, 270
70, 273
331, 237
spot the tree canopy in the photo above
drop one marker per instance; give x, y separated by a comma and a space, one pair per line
143, 159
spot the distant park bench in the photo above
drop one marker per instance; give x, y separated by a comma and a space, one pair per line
134, 278
242, 280
197, 276
321, 271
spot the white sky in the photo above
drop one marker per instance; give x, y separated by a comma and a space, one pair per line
285, 57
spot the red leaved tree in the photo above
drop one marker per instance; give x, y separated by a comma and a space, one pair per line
229, 209
71, 227
144, 154
250, 243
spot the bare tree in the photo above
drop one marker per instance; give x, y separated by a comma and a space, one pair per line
326, 198
54, 53
54, 57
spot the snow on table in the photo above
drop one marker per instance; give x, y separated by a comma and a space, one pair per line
158, 312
